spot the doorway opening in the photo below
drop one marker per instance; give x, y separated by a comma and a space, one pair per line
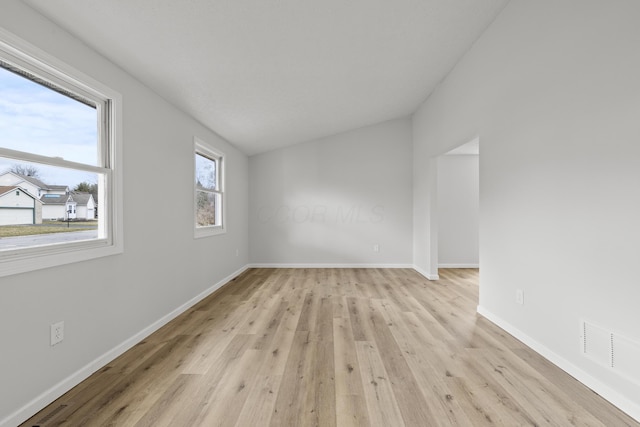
458, 207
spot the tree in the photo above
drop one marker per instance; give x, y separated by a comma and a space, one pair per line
86, 187
206, 209
25, 170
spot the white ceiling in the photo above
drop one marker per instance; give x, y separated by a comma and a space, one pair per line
269, 73
471, 148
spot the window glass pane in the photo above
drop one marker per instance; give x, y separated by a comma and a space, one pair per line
38, 120
206, 208
205, 173
54, 205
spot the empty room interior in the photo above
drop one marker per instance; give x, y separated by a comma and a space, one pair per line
320, 213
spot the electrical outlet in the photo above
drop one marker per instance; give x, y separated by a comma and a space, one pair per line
519, 296
376, 248
237, 252
57, 333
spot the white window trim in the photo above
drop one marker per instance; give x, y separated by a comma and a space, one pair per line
201, 147
39, 257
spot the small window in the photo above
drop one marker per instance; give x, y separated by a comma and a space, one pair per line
208, 190
59, 131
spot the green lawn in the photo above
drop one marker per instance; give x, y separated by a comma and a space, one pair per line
46, 228
72, 223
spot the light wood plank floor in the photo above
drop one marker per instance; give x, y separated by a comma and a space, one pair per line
325, 347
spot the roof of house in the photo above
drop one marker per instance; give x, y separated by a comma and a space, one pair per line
6, 188
58, 187
54, 199
81, 198
34, 181
60, 199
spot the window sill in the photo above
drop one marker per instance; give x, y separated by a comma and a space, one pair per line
201, 232
37, 258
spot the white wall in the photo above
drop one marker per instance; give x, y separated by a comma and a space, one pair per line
162, 266
54, 211
458, 211
330, 201
10, 179
18, 199
552, 89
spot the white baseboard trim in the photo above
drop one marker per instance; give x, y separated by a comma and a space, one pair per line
414, 267
458, 265
324, 265
623, 403
425, 274
83, 373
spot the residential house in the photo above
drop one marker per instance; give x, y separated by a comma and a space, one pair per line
56, 189
18, 207
73, 205
33, 185
27, 183
57, 202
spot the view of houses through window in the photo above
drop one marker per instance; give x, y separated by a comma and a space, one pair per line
49, 153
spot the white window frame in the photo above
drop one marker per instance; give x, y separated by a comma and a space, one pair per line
204, 149
24, 55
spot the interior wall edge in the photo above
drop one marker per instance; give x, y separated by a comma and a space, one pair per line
428, 276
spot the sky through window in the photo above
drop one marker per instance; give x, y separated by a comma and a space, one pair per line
38, 120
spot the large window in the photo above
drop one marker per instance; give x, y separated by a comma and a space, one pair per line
208, 190
59, 145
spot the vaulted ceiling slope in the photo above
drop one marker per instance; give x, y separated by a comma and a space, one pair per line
270, 73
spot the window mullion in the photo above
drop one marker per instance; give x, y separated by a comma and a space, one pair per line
104, 133
51, 161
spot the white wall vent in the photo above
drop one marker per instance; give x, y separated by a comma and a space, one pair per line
596, 343
612, 350
626, 357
